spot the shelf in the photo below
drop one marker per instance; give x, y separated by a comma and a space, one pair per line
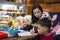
13, 3
10, 12
3, 22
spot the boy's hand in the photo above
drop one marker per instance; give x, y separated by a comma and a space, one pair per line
31, 31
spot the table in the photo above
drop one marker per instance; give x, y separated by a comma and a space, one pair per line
19, 38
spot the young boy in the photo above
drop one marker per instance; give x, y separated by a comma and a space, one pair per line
43, 29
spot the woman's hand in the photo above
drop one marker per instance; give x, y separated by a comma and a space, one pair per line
54, 17
24, 24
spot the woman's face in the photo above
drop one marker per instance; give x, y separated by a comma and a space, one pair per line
37, 13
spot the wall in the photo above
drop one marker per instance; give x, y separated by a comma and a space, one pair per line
54, 7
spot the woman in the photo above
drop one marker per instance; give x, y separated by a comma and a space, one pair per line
37, 13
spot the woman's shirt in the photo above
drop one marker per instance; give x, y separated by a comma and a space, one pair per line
28, 18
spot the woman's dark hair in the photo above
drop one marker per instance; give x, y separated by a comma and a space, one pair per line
34, 19
45, 22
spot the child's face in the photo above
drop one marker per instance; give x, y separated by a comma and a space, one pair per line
41, 29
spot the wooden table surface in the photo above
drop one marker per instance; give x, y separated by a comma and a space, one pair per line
19, 38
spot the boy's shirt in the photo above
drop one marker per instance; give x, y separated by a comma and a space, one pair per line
49, 37
44, 37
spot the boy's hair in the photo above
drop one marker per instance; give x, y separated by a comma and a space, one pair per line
45, 22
